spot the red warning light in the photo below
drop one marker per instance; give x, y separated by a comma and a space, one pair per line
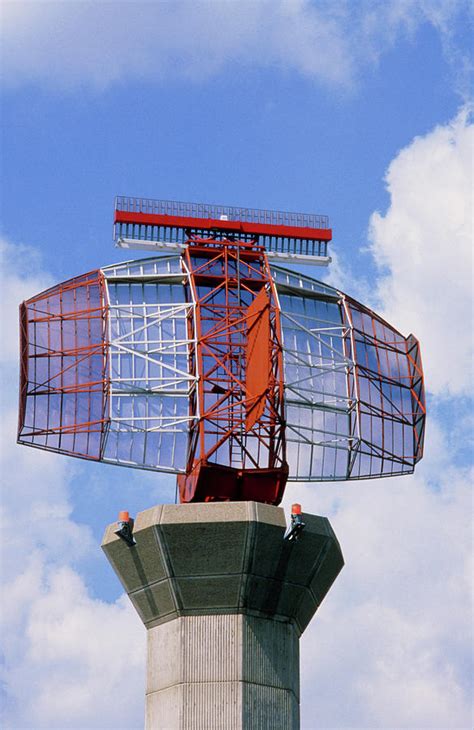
124, 516
295, 509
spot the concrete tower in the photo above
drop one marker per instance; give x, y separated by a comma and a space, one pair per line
224, 599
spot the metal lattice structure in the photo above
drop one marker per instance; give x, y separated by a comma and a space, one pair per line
353, 386
214, 365
237, 437
64, 383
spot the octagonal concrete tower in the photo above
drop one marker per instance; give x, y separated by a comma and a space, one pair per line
224, 599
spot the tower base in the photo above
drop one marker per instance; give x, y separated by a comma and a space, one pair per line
224, 599
222, 671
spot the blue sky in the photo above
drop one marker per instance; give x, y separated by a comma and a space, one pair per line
361, 111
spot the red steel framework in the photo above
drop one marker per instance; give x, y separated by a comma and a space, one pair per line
63, 346
237, 444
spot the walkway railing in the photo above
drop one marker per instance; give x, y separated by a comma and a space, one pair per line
223, 212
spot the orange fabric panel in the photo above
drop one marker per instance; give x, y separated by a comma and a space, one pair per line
258, 368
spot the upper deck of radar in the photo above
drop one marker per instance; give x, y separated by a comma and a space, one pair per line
167, 225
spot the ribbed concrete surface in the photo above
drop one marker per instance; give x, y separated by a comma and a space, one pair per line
211, 648
226, 672
269, 708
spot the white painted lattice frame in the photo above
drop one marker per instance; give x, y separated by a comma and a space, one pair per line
173, 382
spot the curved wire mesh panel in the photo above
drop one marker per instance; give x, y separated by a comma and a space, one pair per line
353, 386
318, 407
63, 378
389, 381
104, 367
110, 371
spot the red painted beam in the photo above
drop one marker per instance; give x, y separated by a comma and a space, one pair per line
261, 229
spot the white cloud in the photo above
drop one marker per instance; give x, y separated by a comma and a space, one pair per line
101, 43
41, 514
70, 660
390, 646
423, 248
41, 511
65, 654
66, 44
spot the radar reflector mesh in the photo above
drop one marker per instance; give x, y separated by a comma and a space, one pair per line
108, 372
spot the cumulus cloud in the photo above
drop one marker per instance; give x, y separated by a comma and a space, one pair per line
63, 657
393, 637
390, 646
423, 248
67, 44
70, 660
41, 514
